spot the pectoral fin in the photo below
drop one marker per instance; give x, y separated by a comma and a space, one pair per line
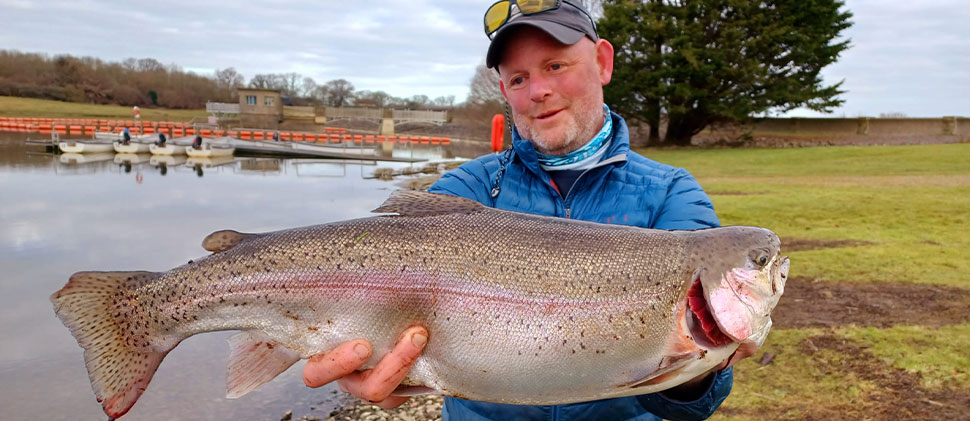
668, 367
254, 360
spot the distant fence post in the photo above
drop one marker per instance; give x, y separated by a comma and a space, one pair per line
863, 127
949, 125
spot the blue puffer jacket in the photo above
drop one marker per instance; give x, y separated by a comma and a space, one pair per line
625, 188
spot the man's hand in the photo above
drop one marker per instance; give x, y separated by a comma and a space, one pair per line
692, 389
373, 385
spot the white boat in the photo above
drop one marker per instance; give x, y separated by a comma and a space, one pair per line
133, 147
85, 146
168, 149
209, 151
172, 146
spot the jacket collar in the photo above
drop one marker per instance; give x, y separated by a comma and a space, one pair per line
616, 154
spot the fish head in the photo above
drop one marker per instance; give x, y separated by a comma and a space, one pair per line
740, 277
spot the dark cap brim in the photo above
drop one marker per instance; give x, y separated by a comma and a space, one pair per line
561, 33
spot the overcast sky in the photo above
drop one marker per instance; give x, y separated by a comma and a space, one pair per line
910, 57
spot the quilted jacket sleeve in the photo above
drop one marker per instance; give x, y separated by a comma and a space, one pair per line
686, 207
471, 181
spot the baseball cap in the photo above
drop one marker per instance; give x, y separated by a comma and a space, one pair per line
567, 23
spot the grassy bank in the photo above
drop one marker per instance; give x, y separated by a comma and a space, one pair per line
894, 215
30, 107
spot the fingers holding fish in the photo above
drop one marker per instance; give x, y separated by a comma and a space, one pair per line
341, 361
377, 384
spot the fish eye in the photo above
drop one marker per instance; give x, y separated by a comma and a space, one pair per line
759, 257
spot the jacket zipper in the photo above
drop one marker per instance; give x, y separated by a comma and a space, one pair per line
621, 157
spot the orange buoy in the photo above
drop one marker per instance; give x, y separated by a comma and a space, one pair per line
498, 132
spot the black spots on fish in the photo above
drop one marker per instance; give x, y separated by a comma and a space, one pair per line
642, 320
574, 350
642, 336
616, 338
582, 333
582, 345
600, 351
624, 288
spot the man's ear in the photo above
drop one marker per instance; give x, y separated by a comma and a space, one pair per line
604, 58
501, 86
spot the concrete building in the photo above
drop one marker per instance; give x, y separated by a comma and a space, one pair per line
261, 108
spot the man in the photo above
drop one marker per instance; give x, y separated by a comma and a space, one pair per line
570, 158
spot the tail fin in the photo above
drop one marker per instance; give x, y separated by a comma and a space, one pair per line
117, 353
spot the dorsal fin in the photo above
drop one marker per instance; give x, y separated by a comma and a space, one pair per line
224, 240
419, 203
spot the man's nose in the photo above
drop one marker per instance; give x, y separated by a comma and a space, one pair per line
539, 88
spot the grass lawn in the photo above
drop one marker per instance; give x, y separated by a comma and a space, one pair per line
906, 212
42, 108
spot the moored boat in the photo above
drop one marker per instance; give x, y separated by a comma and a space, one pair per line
209, 148
132, 147
172, 146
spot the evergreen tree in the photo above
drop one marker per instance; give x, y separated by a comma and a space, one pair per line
713, 61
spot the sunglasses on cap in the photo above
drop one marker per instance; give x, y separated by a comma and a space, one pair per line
504, 10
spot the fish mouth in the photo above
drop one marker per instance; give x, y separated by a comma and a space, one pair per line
700, 320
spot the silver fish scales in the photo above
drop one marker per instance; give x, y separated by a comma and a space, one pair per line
521, 308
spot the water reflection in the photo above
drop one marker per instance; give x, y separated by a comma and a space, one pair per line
132, 212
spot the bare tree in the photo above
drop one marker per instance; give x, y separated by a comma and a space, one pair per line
484, 87
309, 88
229, 78
444, 101
338, 92
377, 99
265, 81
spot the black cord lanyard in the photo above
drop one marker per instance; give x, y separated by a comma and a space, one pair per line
505, 159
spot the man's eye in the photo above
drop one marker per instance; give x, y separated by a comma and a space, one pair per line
555, 66
516, 81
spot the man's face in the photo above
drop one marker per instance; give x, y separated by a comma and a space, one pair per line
555, 90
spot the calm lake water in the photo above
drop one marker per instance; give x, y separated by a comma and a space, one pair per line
61, 214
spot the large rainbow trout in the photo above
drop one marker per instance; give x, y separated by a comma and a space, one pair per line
521, 309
